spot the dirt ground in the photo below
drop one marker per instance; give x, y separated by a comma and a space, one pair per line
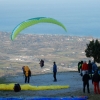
73, 79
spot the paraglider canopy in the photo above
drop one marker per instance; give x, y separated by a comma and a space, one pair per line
34, 21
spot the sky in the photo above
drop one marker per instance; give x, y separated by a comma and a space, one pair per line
81, 17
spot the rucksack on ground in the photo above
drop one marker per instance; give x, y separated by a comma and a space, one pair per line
17, 87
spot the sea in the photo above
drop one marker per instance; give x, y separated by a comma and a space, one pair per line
81, 20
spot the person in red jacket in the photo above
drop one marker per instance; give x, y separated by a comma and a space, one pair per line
84, 67
95, 82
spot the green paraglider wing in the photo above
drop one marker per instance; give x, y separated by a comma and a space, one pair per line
34, 21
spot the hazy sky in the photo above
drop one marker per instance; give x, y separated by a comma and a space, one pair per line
69, 12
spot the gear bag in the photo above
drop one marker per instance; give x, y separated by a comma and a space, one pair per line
17, 87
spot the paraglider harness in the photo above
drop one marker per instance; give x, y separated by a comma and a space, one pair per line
41, 63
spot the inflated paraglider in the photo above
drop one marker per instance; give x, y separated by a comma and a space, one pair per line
34, 21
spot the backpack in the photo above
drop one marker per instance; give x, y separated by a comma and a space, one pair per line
17, 87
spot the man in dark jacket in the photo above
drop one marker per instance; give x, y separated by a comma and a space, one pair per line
79, 66
95, 81
85, 79
90, 68
41, 63
54, 71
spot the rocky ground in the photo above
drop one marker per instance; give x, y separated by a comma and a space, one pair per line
73, 79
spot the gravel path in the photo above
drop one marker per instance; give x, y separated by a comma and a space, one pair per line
73, 79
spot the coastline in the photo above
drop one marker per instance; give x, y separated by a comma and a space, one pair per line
65, 50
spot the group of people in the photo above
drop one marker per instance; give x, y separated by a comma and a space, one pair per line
83, 66
89, 71
27, 72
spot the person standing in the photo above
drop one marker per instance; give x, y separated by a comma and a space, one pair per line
54, 71
80, 67
41, 63
90, 68
94, 66
95, 82
27, 73
84, 67
85, 80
